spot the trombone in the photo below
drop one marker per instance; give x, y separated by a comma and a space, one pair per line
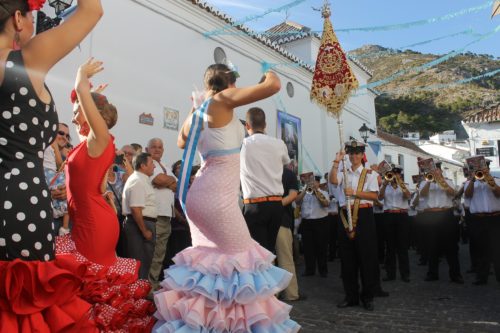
479, 175
389, 176
429, 177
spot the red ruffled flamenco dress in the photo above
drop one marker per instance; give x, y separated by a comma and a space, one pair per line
111, 283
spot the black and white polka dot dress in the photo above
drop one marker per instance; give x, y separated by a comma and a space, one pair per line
27, 127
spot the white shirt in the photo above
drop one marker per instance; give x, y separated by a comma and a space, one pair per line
165, 198
138, 192
484, 200
437, 198
466, 201
394, 199
311, 207
261, 166
49, 159
371, 183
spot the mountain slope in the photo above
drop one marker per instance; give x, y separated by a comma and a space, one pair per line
404, 106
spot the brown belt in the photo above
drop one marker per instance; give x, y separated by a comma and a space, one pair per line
145, 218
487, 214
396, 211
262, 199
436, 209
365, 205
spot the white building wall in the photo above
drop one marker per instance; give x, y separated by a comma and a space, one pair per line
154, 51
484, 135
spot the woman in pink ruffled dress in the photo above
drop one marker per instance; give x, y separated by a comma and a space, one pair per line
225, 282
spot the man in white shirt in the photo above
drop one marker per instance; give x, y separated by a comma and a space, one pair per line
261, 167
395, 194
139, 205
484, 195
358, 248
164, 186
442, 229
314, 227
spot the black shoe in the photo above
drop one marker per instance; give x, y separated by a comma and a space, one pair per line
389, 278
457, 279
307, 274
323, 275
346, 303
405, 278
380, 293
480, 282
368, 305
431, 278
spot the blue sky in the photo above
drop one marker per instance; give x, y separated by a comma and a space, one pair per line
365, 13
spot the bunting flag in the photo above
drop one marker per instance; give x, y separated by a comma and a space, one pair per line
333, 79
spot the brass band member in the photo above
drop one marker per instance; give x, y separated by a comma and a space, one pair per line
314, 227
442, 230
395, 194
484, 193
358, 249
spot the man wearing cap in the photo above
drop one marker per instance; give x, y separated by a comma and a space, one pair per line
261, 167
358, 247
395, 194
314, 227
442, 229
484, 194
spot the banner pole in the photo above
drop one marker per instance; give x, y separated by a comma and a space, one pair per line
344, 171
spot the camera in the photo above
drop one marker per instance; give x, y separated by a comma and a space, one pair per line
119, 159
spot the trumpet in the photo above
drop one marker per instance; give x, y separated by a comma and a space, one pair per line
389, 176
309, 189
429, 177
479, 175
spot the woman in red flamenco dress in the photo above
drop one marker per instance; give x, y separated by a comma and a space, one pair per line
38, 292
111, 283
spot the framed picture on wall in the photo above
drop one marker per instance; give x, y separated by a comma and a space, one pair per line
289, 129
170, 119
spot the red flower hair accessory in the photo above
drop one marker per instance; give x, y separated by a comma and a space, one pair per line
36, 4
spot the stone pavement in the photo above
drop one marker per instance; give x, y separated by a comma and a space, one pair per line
418, 306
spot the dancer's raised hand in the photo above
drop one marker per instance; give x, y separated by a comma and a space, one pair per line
85, 72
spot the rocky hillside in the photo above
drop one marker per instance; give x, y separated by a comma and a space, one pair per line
406, 108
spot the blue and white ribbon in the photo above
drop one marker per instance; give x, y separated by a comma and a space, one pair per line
190, 152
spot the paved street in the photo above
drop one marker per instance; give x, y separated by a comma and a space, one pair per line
417, 306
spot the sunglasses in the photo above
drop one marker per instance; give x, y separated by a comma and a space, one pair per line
62, 133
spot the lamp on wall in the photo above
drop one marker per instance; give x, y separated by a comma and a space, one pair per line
44, 22
60, 5
365, 131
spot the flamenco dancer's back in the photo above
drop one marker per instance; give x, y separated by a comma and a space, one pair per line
225, 282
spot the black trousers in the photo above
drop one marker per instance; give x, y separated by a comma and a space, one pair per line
442, 234
264, 220
397, 235
381, 242
486, 234
315, 241
333, 221
179, 240
474, 239
494, 244
359, 257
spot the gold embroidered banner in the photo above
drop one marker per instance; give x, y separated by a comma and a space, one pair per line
333, 79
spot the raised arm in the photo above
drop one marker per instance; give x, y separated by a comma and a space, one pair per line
43, 51
98, 137
234, 97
